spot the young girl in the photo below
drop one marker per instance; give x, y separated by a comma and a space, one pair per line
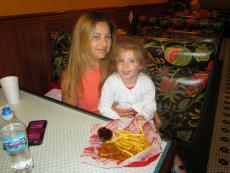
129, 87
88, 66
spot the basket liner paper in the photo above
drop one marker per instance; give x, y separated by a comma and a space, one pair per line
90, 153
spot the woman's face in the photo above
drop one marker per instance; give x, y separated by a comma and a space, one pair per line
101, 41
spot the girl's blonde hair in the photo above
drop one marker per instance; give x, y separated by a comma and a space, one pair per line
128, 43
79, 59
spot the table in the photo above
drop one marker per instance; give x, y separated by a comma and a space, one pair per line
66, 135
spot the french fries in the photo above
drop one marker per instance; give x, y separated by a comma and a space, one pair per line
126, 143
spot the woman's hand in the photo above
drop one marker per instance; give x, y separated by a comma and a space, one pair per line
124, 113
140, 117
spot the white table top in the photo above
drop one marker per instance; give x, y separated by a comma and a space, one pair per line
66, 135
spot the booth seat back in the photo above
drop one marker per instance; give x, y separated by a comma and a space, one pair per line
200, 29
180, 70
61, 41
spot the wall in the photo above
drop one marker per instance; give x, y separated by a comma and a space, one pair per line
15, 7
221, 4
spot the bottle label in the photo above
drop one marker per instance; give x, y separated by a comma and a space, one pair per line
16, 143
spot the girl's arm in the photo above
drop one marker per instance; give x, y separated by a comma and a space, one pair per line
106, 100
147, 107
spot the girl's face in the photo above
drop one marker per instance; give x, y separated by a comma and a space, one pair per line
101, 41
128, 66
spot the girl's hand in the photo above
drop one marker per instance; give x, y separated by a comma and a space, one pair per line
124, 113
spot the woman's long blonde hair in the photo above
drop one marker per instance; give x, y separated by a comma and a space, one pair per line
79, 59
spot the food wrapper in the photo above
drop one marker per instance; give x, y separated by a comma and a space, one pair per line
90, 153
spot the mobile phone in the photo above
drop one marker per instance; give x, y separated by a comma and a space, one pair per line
36, 131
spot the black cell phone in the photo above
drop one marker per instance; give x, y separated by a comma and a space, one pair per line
36, 131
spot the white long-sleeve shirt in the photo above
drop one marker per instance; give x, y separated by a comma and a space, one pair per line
141, 97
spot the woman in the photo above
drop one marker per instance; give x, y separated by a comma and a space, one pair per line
89, 61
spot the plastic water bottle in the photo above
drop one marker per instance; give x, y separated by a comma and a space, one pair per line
15, 142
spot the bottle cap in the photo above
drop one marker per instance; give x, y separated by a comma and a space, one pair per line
6, 112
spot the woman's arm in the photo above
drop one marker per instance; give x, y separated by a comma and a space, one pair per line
67, 97
69, 100
124, 113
